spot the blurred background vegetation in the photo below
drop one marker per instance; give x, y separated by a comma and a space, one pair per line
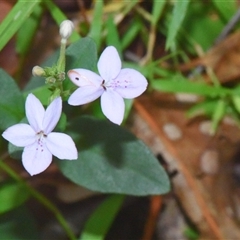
189, 51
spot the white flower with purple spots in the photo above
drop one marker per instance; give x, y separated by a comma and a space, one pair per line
112, 85
37, 138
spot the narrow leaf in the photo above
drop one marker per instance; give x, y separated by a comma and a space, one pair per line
97, 22
157, 10
131, 33
15, 18
27, 30
206, 107
236, 102
218, 114
113, 36
100, 221
184, 86
179, 12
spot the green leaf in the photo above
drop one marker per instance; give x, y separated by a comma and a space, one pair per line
61, 125
206, 107
113, 35
11, 101
191, 233
100, 221
130, 33
218, 114
157, 10
185, 86
12, 195
236, 102
179, 12
15, 18
18, 224
42, 93
14, 151
112, 160
27, 31
226, 8
82, 54
198, 20
128, 107
96, 25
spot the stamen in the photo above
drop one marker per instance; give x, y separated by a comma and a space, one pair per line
40, 141
103, 82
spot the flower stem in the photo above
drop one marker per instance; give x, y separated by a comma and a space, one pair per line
41, 198
62, 61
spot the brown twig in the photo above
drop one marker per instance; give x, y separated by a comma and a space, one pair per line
155, 207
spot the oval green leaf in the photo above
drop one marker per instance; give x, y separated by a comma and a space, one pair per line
11, 101
112, 160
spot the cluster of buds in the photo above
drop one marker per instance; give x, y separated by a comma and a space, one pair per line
55, 75
51, 74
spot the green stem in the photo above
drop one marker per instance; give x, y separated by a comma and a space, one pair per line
41, 198
61, 60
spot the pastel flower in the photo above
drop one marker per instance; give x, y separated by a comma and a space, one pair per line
112, 85
37, 138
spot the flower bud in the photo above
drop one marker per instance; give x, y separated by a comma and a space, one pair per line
66, 29
38, 71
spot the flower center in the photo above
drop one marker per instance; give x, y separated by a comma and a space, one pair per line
40, 141
115, 84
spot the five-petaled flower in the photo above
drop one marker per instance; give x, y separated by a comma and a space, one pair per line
112, 85
38, 140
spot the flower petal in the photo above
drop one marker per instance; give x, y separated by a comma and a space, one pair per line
35, 160
83, 77
130, 83
85, 95
113, 106
62, 146
109, 64
20, 135
34, 112
52, 115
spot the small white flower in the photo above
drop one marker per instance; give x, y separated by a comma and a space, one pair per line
66, 29
37, 138
112, 85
